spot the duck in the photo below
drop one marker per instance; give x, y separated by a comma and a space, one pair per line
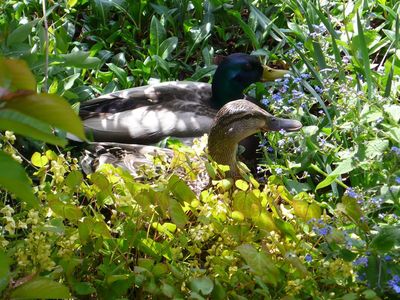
235, 121
180, 109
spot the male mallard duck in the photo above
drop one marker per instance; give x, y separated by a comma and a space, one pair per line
234, 122
180, 109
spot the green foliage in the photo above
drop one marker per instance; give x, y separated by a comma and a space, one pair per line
323, 220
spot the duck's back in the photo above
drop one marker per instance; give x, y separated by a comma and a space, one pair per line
149, 113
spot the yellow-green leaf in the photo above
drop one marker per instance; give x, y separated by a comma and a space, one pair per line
51, 109
39, 160
14, 179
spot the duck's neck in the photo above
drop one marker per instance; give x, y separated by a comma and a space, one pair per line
224, 152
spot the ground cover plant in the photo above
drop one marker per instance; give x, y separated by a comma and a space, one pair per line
320, 222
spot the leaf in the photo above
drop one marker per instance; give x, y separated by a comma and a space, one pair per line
65, 210
15, 75
30, 127
80, 59
375, 148
14, 179
39, 160
51, 109
157, 34
343, 167
241, 184
259, 263
386, 239
180, 189
84, 288
305, 210
41, 288
167, 46
120, 73
203, 285
21, 33
74, 179
4, 271
178, 216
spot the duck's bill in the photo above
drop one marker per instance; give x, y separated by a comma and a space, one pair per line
276, 124
270, 74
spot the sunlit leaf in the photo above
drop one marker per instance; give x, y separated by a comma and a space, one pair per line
260, 263
51, 109
41, 288
14, 179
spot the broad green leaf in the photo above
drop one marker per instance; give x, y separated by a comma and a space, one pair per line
305, 210
386, 239
343, 167
286, 228
203, 285
74, 179
241, 184
376, 148
246, 203
39, 160
80, 59
265, 221
14, 179
65, 210
41, 288
393, 110
4, 271
237, 215
180, 189
260, 263
27, 126
15, 75
84, 288
120, 73
157, 34
167, 47
51, 109
177, 214
21, 33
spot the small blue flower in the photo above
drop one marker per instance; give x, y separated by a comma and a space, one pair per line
361, 276
397, 179
379, 120
278, 171
264, 101
297, 94
362, 261
387, 258
297, 80
305, 76
282, 131
396, 150
281, 143
270, 149
277, 97
351, 193
394, 283
308, 258
318, 89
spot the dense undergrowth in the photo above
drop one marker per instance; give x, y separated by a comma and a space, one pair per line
321, 222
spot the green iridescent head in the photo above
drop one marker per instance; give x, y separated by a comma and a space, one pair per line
235, 73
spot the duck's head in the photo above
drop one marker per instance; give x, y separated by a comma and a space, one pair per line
235, 73
234, 122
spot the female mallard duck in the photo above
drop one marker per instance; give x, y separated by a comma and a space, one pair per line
234, 122
180, 109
